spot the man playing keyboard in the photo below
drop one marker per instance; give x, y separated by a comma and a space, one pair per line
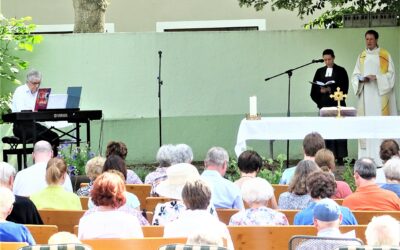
24, 99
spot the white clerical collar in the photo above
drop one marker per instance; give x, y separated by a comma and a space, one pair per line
374, 50
328, 72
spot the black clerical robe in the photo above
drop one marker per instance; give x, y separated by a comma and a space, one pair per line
339, 75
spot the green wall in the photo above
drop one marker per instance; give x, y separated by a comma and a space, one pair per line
208, 78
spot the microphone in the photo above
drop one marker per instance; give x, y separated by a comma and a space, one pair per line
159, 52
317, 60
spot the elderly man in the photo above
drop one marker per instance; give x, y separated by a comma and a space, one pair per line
33, 178
24, 99
24, 211
327, 219
225, 194
369, 196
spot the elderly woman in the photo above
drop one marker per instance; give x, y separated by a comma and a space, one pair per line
392, 174
120, 149
297, 196
93, 168
105, 220
321, 185
10, 231
164, 158
250, 163
326, 161
383, 231
54, 195
256, 192
196, 195
177, 176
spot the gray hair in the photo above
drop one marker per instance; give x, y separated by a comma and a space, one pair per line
165, 154
383, 231
366, 168
42, 146
33, 75
7, 199
182, 154
257, 190
94, 167
6, 171
392, 169
216, 156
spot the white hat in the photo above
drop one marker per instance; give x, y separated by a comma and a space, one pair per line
177, 176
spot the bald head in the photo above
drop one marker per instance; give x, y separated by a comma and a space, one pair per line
42, 152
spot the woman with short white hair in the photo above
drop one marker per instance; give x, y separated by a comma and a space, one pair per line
256, 192
391, 168
383, 231
10, 231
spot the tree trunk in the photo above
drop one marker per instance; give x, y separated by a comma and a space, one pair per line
89, 16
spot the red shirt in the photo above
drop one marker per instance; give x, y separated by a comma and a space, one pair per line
372, 197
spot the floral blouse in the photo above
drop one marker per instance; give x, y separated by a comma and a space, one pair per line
293, 201
154, 178
261, 216
170, 211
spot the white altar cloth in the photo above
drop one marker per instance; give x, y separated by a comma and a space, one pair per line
295, 128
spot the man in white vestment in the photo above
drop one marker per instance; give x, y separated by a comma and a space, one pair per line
373, 82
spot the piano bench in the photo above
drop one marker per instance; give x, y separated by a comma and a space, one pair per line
14, 142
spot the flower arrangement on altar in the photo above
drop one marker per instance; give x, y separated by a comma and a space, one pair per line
75, 157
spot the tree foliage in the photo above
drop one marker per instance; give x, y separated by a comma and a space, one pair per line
331, 18
15, 35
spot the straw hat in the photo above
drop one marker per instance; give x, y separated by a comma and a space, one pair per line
177, 175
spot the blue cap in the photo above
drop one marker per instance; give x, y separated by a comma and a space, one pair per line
327, 210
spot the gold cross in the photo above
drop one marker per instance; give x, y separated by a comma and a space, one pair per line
338, 96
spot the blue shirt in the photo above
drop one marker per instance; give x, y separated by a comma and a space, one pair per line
306, 216
13, 232
224, 194
392, 187
287, 175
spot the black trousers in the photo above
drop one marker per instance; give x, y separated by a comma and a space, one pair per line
338, 147
35, 130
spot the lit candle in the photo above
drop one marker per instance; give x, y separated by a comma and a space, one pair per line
253, 105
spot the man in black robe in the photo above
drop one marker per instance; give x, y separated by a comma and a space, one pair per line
321, 96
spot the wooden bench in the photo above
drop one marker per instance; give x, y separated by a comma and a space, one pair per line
12, 245
142, 191
279, 189
153, 231
42, 233
84, 202
148, 243
151, 202
65, 220
225, 214
276, 237
364, 217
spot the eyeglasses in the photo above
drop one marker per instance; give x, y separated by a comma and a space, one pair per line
35, 83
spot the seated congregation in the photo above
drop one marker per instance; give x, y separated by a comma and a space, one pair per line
195, 202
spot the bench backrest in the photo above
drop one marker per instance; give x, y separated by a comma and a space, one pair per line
84, 202
151, 202
65, 220
148, 243
42, 233
12, 245
142, 191
277, 237
225, 214
279, 189
364, 217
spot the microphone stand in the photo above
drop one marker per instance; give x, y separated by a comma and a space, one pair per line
160, 82
289, 72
